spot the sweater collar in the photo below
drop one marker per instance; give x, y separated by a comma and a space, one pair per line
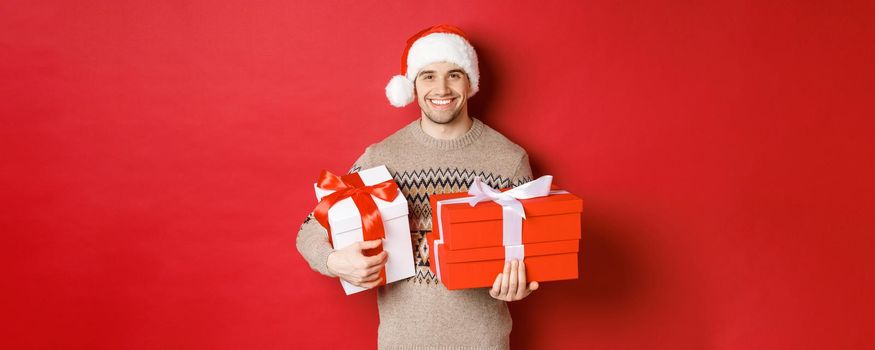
460, 142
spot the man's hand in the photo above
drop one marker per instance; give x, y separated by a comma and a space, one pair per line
354, 267
510, 285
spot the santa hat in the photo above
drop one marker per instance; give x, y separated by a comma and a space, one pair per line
440, 43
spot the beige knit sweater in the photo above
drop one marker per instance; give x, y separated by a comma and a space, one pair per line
420, 313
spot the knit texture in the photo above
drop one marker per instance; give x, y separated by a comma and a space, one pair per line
419, 312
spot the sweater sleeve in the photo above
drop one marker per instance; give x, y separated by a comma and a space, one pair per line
312, 239
523, 172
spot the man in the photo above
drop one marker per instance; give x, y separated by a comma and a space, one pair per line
441, 152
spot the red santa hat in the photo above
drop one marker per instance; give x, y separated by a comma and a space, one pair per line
440, 43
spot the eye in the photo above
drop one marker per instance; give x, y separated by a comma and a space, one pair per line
427, 77
455, 75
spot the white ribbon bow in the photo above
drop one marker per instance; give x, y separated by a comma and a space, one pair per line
536, 188
511, 209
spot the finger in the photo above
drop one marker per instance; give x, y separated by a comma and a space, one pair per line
504, 280
377, 260
533, 286
514, 279
370, 244
358, 281
365, 278
375, 269
372, 284
522, 291
371, 277
377, 264
496, 287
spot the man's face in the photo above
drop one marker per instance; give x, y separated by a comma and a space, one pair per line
442, 91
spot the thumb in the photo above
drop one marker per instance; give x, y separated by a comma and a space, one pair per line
370, 244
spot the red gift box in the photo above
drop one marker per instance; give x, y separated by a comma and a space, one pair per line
472, 244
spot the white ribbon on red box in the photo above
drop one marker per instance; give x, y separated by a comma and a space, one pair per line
512, 213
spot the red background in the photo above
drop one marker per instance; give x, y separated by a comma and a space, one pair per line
158, 158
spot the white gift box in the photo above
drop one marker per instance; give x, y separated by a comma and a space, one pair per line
346, 228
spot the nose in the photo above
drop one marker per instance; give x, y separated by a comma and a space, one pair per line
442, 87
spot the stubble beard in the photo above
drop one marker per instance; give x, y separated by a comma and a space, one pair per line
435, 117
438, 120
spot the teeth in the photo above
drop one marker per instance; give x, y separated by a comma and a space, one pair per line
440, 102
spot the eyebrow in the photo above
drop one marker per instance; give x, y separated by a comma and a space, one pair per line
432, 72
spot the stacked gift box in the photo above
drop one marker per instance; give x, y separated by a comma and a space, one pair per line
469, 244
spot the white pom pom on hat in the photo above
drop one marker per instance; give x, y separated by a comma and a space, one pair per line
399, 91
440, 43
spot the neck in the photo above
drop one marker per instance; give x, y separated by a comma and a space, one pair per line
448, 131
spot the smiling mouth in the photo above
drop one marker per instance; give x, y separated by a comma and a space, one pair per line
440, 103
